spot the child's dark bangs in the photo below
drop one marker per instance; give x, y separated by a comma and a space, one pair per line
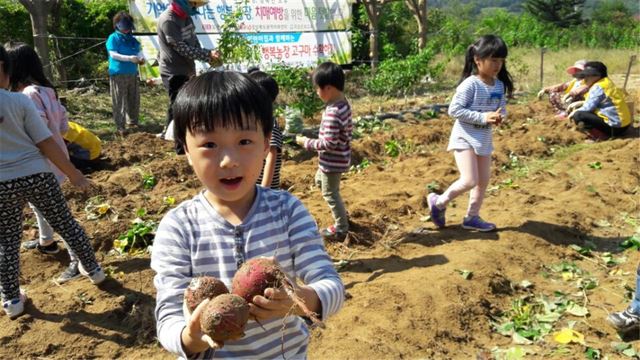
226, 100
493, 49
224, 116
224, 109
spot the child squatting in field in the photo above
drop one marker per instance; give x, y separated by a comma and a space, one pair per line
224, 120
25, 176
333, 144
561, 95
604, 112
478, 105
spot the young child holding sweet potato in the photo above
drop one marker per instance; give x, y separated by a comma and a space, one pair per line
224, 120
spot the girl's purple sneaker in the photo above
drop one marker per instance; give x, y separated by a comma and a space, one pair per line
476, 223
437, 215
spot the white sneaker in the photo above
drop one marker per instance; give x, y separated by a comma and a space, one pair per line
15, 307
96, 276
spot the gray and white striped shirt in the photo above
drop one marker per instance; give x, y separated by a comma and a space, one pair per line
193, 239
472, 99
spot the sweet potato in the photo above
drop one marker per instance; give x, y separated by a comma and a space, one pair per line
225, 317
203, 287
255, 276
258, 274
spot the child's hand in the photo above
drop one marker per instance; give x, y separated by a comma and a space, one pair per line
192, 336
215, 58
300, 140
78, 180
141, 60
494, 117
274, 304
541, 93
574, 106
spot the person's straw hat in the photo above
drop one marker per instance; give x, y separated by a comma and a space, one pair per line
576, 67
197, 3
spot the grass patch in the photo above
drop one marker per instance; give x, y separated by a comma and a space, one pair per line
93, 110
524, 168
524, 65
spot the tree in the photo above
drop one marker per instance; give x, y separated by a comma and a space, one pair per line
55, 28
39, 11
373, 8
563, 13
419, 10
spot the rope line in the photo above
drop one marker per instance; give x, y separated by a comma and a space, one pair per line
83, 79
74, 54
51, 36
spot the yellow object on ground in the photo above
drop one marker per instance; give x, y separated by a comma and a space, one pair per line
83, 138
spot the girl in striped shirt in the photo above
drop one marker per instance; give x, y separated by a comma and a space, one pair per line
478, 105
224, 120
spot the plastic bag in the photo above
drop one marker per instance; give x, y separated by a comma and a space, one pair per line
292, 120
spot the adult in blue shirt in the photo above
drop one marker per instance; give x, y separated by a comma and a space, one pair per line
124, 56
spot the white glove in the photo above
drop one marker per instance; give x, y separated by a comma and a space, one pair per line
571, 115
574, 106
541, 94
567, 99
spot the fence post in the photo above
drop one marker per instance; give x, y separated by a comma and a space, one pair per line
542, 51
632, 58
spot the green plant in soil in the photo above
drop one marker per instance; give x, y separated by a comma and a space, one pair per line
530, 319
98, 208
632, 242
149, 181
596, 165
365, 163
433, 186
369, 125
392, 148
138, 237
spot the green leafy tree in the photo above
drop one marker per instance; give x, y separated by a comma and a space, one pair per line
373, 9
235, 48
13, 18
612, 12
562, 13
297, 88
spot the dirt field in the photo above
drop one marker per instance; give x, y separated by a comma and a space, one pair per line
407, 296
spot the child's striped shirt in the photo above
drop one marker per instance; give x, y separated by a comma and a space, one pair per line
334, 140
474, 98
275, 142
193, 239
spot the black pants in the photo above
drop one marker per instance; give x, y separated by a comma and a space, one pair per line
173, 84
84, 165
43, 191
593, 121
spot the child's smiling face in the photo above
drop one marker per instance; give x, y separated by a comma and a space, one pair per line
228, 162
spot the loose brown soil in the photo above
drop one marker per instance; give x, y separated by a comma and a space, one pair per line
405, 296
